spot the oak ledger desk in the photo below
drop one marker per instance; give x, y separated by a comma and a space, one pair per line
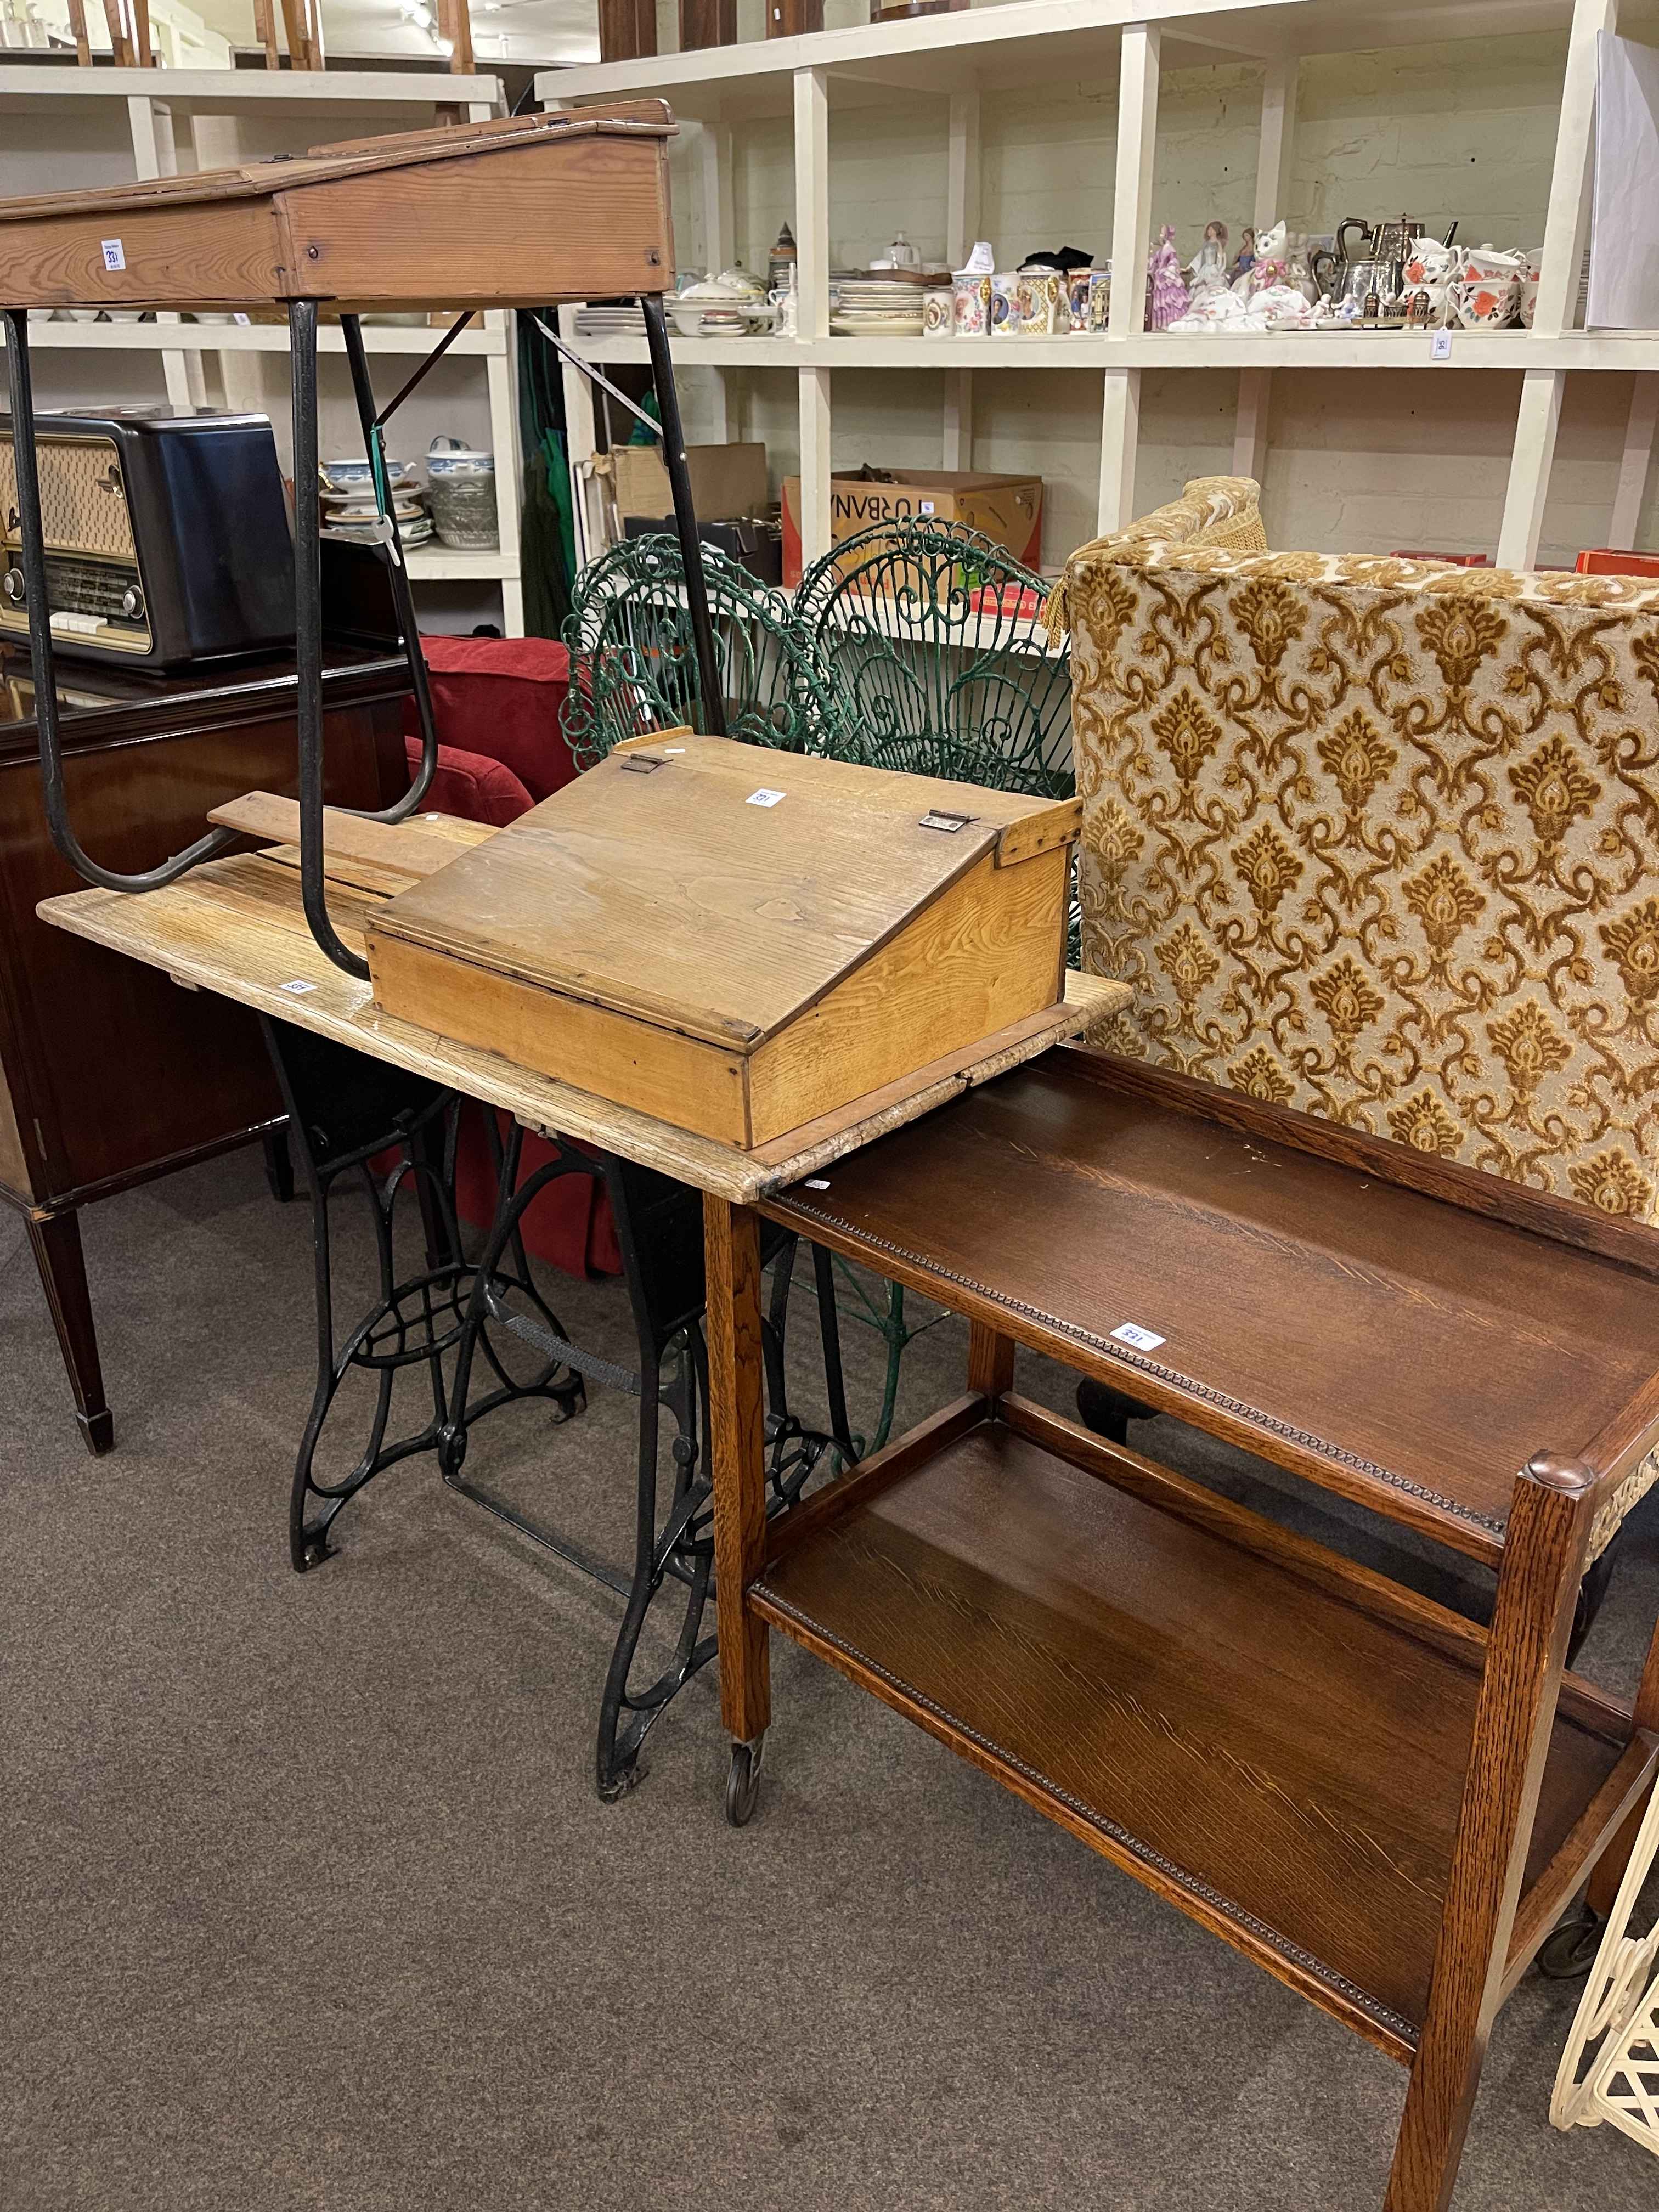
1384, 1804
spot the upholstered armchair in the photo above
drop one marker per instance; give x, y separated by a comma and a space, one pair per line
1378, 840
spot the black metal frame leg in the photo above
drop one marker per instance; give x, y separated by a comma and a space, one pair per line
345, 1111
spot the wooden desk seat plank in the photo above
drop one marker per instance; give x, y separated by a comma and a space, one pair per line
1284, 1763
1384, 1344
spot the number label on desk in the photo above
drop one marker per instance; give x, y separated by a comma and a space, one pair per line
114, 253
764, 798
1131, 1332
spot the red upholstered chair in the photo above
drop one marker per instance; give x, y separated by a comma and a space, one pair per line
496, 701
470, 785
501, 698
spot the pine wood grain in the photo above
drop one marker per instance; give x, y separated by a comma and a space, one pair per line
235, 927
821, 1141
404, 849
986, 953
700, 1087
552, 208
663, 892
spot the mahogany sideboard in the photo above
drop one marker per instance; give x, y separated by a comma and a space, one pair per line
108, 1075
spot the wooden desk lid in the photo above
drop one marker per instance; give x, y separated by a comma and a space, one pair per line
665, 883
351, 157
513, 212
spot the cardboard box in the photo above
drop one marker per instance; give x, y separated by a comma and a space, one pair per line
726, 480
1008, 510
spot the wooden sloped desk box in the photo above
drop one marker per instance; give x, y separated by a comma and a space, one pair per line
1384, 1804
370, 224
735, 940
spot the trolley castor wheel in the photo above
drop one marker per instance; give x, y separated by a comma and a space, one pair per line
743, 1782
452, 1452
1568, 1952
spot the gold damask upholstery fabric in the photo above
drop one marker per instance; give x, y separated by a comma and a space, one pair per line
1211, 511
1379, 840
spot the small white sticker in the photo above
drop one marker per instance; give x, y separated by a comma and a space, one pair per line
1440, 345
242, 320
763, 798
673, 748
1131, 1332
817, 1183
298, 988
113, 256
926, 506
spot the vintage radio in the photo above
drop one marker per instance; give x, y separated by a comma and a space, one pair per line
167, 536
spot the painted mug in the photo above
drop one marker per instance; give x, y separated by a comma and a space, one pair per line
972, 304
1038, 297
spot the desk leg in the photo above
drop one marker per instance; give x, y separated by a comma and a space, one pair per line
737, 1456
56, 1242
1537, 1587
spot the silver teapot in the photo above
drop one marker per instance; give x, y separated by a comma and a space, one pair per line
1373, 263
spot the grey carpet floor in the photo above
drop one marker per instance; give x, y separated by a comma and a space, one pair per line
306, 1899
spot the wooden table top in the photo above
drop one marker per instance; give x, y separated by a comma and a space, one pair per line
236, 927
1409, 1353
516, 212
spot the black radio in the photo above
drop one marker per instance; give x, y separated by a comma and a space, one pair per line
167, 536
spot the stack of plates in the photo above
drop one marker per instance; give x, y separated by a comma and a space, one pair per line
626, 321
887, 306
351, 515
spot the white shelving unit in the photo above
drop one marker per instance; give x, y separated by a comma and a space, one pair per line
189, 119
970, 55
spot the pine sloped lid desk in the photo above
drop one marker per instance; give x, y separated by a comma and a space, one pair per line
736, 940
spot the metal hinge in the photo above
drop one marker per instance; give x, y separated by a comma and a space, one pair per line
941, 817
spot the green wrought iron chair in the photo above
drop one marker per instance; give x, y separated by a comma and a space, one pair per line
930, 638
633, 662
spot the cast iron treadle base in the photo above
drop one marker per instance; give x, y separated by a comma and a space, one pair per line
355, 1118
660, 1230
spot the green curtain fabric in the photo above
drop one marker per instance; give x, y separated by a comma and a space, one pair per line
547, 547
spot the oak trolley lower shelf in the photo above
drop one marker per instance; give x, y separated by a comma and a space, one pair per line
1284, 1763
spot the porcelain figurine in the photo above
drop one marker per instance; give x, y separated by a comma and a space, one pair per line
1207, 269
1166, 293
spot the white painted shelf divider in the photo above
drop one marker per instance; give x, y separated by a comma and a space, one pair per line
1033, 41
